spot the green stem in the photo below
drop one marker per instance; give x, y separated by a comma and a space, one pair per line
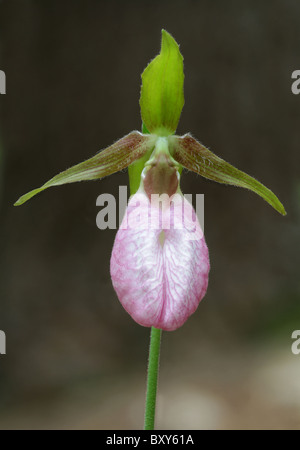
153, 368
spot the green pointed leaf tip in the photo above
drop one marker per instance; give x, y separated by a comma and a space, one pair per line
194, 156
162, 96
114, 158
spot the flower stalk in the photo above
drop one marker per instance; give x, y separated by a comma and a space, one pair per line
153, 369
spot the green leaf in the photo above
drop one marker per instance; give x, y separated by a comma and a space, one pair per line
194, 156
162, 97
114, 158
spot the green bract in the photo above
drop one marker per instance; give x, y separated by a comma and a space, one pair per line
161, 104
162, 97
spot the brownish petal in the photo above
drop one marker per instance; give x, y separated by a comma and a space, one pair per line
114, 158
194, 156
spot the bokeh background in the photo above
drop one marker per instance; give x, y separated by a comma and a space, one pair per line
75, 359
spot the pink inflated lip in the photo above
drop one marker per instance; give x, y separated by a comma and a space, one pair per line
160, 264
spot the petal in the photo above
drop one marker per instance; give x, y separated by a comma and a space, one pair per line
114, 158
158, 284
162, 96
194, 156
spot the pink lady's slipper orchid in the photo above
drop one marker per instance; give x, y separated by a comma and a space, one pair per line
159, 263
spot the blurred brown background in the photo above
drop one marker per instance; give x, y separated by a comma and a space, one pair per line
75, 359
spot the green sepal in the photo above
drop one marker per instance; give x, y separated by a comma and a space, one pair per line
162, 96
114, 158
135, 169
194, 156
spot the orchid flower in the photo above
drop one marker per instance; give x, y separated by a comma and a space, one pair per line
159, 264
160, 274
